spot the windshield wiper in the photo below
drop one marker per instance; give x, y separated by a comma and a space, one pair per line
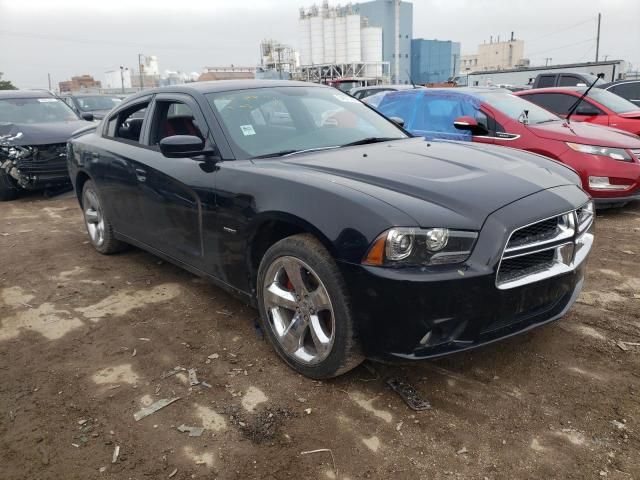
368, 140
285, 153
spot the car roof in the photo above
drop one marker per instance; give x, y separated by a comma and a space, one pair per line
87, 94
400, 86
25, 94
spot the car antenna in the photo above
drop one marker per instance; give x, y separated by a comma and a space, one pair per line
413, 84
574, 107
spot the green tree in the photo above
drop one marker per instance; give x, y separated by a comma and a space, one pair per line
6, 84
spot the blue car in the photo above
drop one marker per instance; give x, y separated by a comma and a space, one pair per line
429, 113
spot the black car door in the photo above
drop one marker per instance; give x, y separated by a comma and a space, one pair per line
176, 194
113, 166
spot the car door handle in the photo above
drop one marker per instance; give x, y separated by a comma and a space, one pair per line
95, 156
141, 174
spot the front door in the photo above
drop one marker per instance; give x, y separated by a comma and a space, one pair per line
177, 194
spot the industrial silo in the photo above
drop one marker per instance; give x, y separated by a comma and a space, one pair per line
354, 43
304, 37
330, 38
341, 39
317, 39
372, 49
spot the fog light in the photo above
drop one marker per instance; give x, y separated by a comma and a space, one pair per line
603, 183
437, 239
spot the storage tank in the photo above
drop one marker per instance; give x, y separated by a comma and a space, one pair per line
317, 40
371, 42
304, 40
353, 38
341, 39
329, 39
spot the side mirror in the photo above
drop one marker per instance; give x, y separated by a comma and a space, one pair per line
471, 124
88, 116
398, 121
181, 146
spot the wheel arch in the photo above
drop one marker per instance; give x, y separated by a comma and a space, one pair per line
81, 178
268, 229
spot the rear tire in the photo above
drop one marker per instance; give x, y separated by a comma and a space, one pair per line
98, 224
305, 310
8, 188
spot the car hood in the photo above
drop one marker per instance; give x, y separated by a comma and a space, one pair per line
463, 183
586, 133
19, 134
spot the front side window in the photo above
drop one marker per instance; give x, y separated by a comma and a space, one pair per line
127, 124
173, 118
268, 121
630, 91
547, 81
35, 110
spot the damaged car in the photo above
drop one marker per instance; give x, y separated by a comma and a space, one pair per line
34, 129
351, 238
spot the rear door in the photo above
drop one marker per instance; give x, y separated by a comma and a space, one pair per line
177, 194
113, 166
630, 91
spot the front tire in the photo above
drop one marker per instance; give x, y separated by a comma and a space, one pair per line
8, 188
305, 310
98, 224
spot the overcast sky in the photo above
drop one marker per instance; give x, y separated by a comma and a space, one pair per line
73, 37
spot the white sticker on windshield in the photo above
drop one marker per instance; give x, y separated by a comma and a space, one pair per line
247, 130
346, 98
47, 100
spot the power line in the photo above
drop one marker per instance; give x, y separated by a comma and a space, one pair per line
562, 30
561, 47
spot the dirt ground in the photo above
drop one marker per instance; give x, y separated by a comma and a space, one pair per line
85, 340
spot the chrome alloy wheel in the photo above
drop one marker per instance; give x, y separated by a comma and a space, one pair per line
93, 217
299, 310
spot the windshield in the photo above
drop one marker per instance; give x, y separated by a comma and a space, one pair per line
99, 102
514, 107
35, 110
264, 121
612, 101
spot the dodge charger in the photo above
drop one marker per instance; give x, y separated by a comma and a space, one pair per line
352, 238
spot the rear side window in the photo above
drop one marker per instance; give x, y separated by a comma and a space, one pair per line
546, 81
127, 124
570, 81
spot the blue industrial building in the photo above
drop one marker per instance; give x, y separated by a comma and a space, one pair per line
434, 60
382, 13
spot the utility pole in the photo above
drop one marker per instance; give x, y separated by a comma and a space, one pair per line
49, 77
547, 61
397, 43
140, 55
598, 37
122, 78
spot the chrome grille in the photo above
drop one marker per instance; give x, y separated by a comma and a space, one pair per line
546, 248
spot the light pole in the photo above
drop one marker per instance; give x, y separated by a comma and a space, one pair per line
122, 69
140, 67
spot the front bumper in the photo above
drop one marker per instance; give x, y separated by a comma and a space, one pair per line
419, 313
45, 166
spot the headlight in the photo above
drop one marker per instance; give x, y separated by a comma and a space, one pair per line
615, 153
586, 214
403, 246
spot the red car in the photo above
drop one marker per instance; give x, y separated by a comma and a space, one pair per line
608, 160
599, 106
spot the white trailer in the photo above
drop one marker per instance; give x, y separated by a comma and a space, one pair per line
612, 70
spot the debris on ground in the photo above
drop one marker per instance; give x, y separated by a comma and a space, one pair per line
225, 313
213, 356
409, 394
622, 346
116, 454
172, 474
261, 427
173, 371
193, 378
134, 353
153, 408
462, 451
193, 431
307, 411
320, 450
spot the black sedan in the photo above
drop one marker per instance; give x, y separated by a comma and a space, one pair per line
34, 129
91, 106
352, 238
